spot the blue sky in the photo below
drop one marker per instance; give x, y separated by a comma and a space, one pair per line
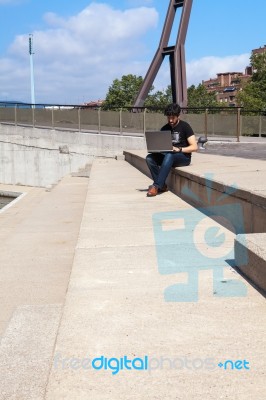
82, 46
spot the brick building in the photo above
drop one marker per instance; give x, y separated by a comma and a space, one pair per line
259, 50
227, 84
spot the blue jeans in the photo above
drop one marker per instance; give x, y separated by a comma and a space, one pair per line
160, 165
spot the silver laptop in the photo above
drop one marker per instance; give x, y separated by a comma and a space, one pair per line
158, 141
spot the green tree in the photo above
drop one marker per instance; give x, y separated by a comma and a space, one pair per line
252, 96
123, 92
159, 99
199, 97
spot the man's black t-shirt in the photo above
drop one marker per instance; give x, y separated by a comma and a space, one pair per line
180, 133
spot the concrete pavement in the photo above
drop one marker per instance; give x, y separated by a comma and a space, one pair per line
248, 148
118, 303
38, 235
117, 306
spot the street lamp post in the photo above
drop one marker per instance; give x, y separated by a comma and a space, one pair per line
31, 69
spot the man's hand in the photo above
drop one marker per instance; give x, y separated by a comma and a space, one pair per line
176, 149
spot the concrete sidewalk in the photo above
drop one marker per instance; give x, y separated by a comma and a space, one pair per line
122, 302
38, 237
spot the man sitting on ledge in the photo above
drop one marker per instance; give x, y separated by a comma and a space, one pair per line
184, 143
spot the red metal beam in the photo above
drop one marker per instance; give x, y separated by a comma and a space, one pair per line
176, 54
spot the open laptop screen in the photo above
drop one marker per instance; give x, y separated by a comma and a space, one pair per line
158, 141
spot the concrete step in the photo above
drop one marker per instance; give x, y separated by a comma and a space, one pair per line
26, 351
116, 304
83, 172
253, 263
38, 235
213, 180
233, 189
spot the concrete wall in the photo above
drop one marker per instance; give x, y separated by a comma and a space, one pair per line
41, 157
253, 204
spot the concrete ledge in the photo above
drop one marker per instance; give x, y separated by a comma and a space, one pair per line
253, 263
246, 208
215, 181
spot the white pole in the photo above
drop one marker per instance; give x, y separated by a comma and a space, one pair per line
31, 69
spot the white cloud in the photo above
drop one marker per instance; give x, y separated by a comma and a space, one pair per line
204, 69
207, 67
77, 58
136, 3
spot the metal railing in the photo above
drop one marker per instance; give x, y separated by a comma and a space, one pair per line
228, 122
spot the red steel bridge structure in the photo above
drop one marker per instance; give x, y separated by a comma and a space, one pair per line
176, 55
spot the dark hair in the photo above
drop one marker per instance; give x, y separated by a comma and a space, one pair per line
172, 109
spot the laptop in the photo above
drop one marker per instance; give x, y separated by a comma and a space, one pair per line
158, 141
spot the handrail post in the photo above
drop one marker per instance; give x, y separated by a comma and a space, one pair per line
206, 123
120, 121
144, 120
99, 120
238, 125
79, 124
16, 117
53, 117
33, 117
